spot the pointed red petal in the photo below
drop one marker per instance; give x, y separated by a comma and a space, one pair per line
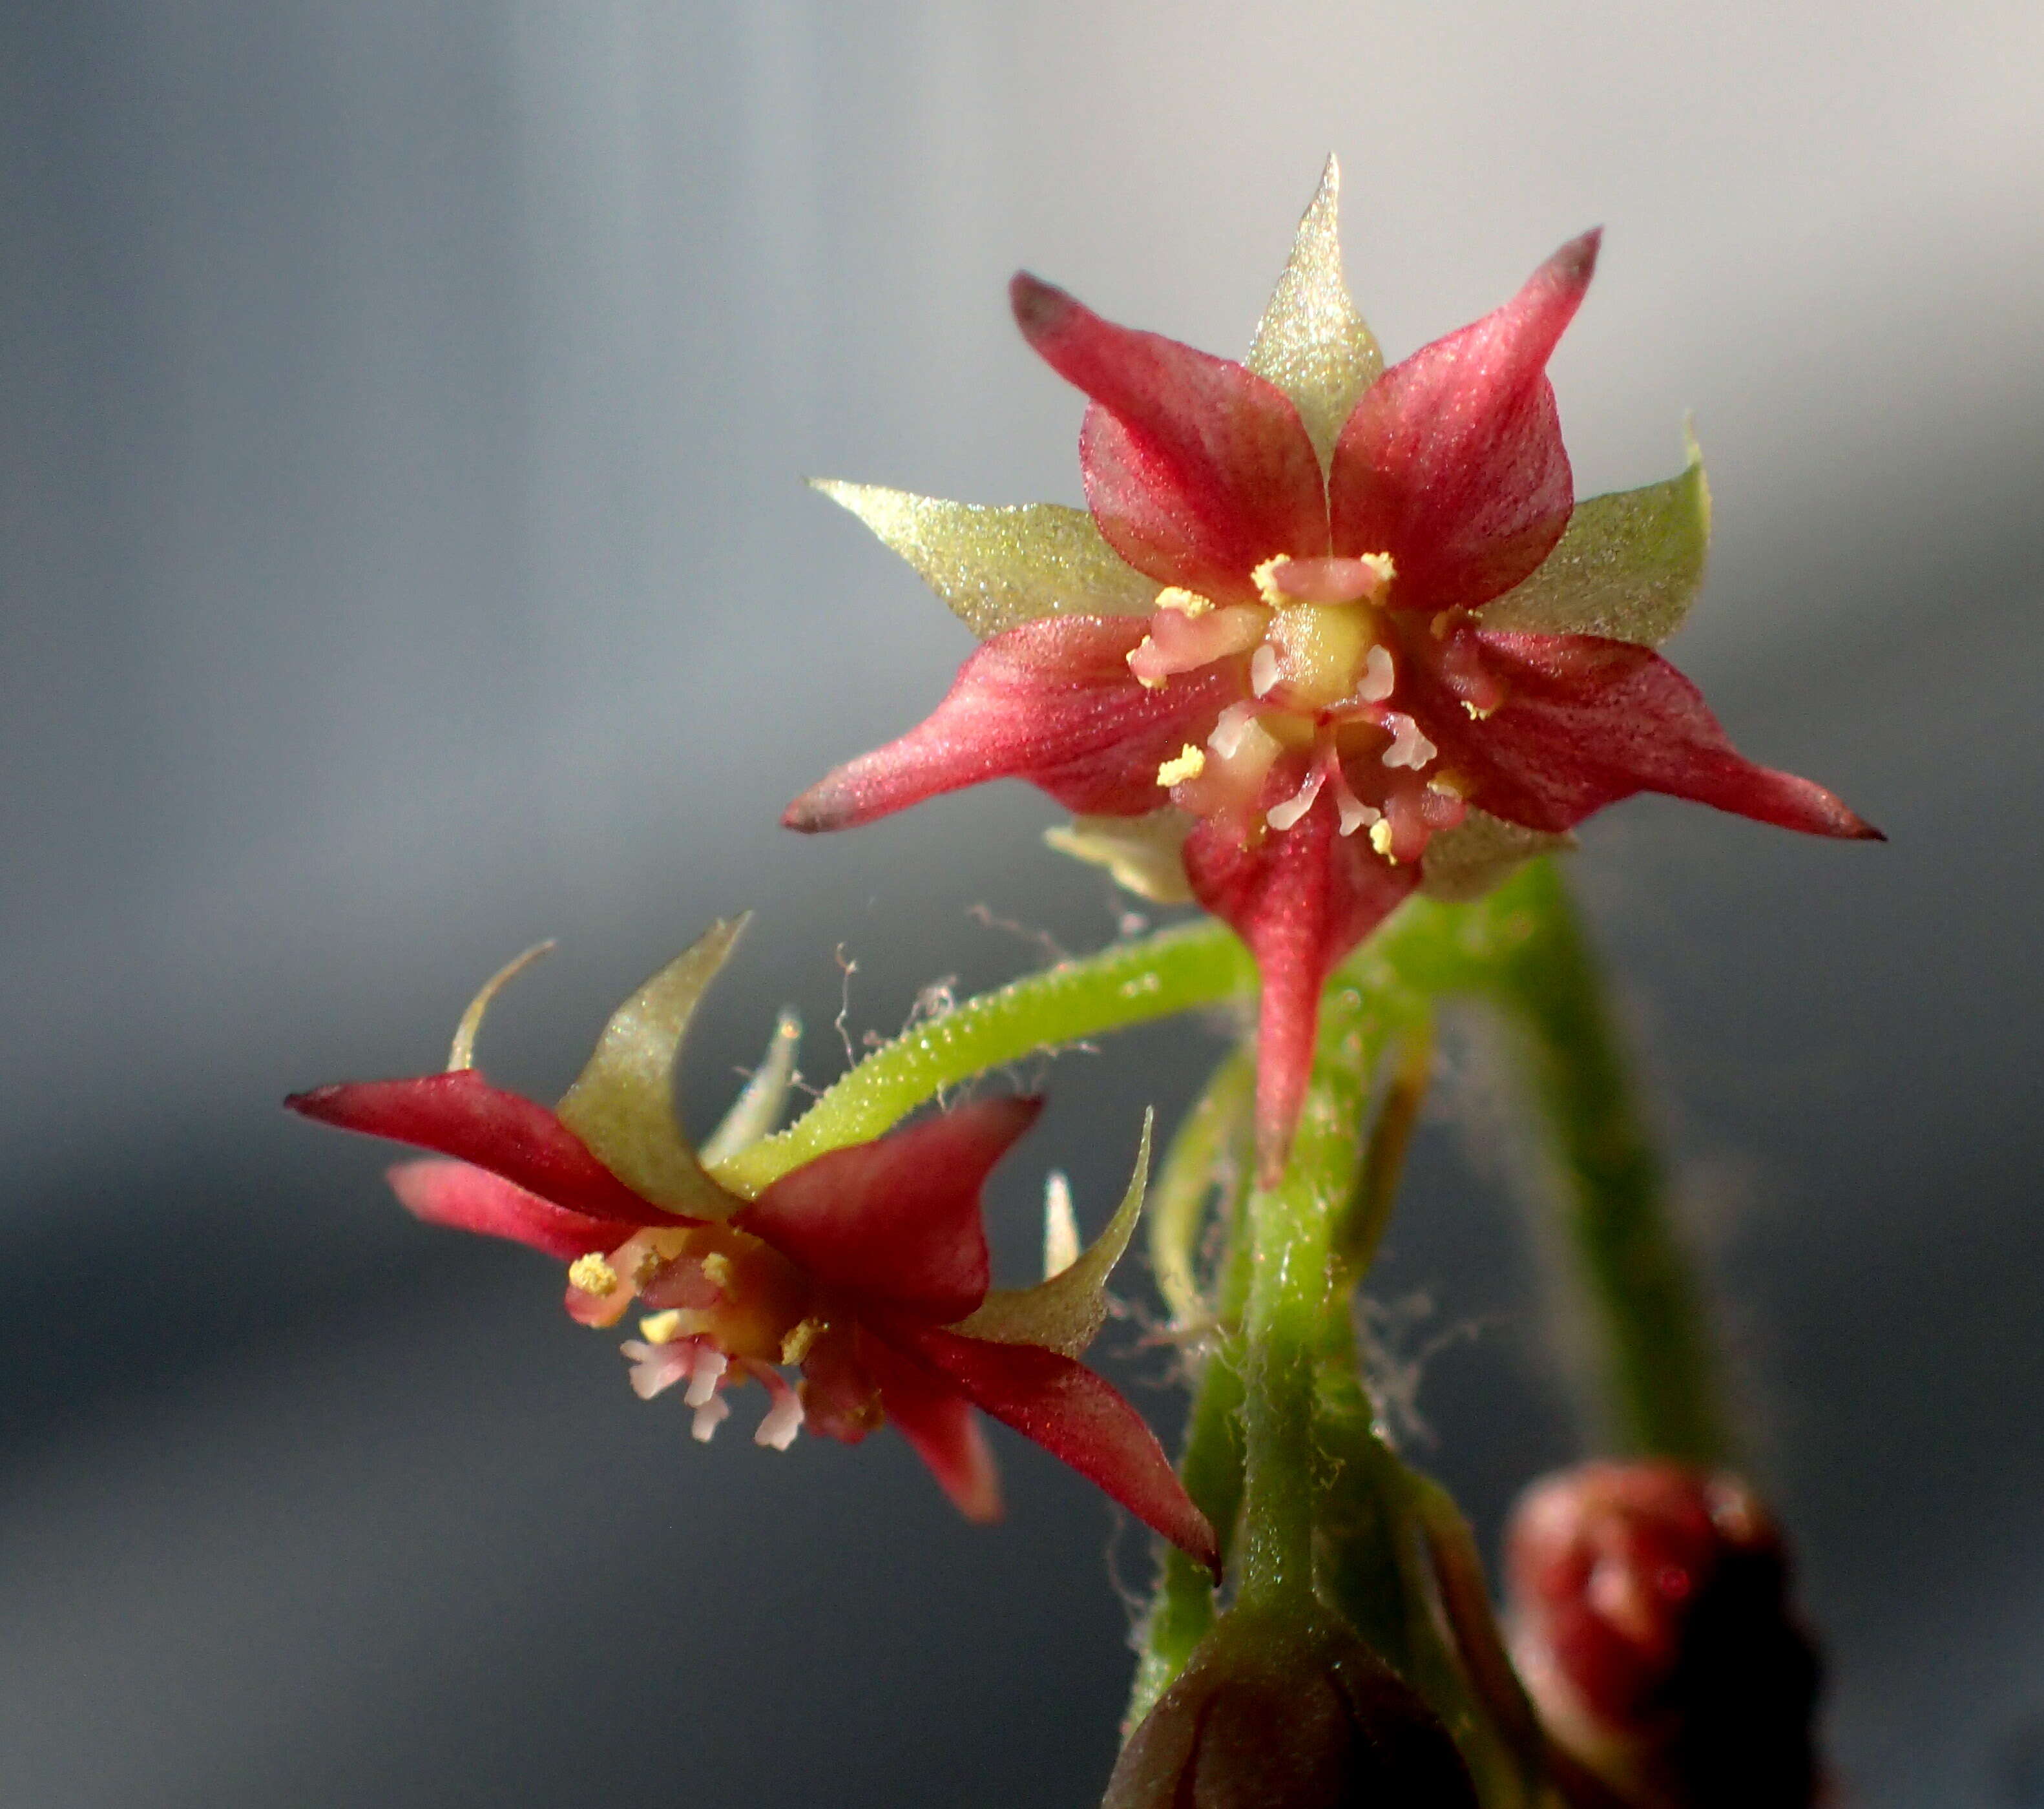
1452, 461
939, 1422
898, 1219
460, 1114
1301, 898
1076, 1415
471, 1199
1052, 701
1198, 469
1586, 721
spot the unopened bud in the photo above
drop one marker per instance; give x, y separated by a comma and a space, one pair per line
1651, 1622
1273, 1713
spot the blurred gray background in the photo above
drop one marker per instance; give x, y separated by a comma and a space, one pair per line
402, 555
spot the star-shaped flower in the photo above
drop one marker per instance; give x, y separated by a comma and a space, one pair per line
865, 1269
1330, 632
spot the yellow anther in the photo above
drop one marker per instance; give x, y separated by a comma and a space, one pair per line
796, 1345
1380, 839
1186, 602
1136, 653
717, 1270
1382, 564
1190, 764
660, 1328
1449, 784
1477, 715
1264, 578
593, 1275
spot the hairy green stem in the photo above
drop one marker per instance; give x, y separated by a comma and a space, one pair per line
1284, 1324
1215, 1133
1176, 970
1656, 1360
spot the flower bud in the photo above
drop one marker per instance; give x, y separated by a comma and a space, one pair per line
1650, 1621
1274, 1713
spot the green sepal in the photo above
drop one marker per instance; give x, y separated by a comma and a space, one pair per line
622, 1103
1064, 1312
997, 567
1311, 343
1628, 568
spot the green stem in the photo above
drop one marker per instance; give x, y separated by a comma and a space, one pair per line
1285, 1322
1176, 970
1656, 1359
1183, 1608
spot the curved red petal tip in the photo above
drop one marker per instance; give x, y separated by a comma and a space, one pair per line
1575, 263
1040, 307
825, 805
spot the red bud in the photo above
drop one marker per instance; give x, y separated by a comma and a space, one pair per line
1652, 1624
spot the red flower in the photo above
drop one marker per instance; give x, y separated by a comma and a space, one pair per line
1329, 616
865, 1269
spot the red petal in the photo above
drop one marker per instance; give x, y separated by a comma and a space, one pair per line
471, 1199
1301, 898
1198, 469
898, 1219
1586, 721
937, 1421
1452, 461
460, 1114
1076, 1415
1052, 701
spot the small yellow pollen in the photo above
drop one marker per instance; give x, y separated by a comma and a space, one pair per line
1449, 784
1190, 764
717, 1270
796, 1346
1136, 653
1264, 578
1380, 839
660, 1328
593, 1275
1477, 715
1185, 602
1385, 567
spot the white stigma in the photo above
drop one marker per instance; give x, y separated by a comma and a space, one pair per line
1263, 671
1409, 746
783, 1421
1283, 816
709, 1371
710, 1415
1235, 723
1378, 678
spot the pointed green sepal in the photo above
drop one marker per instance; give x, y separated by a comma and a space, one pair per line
622, 1103
1311, 343
997, 567
1064, 1312
1628, 568
1464, 863
1143, 854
